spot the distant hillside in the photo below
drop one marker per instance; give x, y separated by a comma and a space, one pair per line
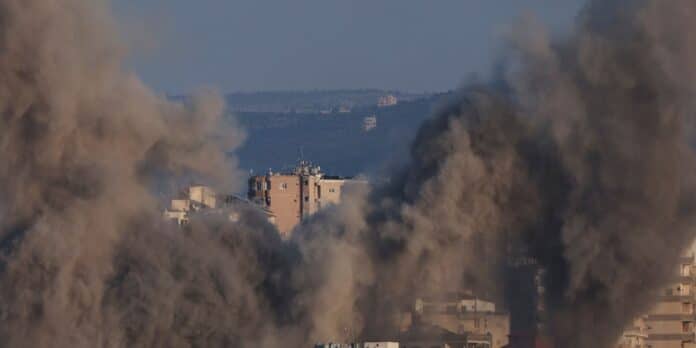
336, 141
311, 101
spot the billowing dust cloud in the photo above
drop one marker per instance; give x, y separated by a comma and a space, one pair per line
578, 154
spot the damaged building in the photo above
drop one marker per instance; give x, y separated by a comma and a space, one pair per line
294, 196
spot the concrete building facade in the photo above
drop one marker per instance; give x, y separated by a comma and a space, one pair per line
369, 123
670, 324
385, 344
292, 197
203, 195
194, 198
381, 345
387, 100
282, 197
635, 335
432, 336
466, 315
204, 200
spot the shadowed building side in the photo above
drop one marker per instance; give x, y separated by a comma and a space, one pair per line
292, 197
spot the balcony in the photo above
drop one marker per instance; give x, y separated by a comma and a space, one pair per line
671, 317
683, 337
677, 298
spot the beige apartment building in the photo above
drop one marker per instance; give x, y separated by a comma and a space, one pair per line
635, 335
292, 197
670, 324
194, 198
279, 193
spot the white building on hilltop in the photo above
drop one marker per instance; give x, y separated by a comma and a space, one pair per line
387, 100
369, 123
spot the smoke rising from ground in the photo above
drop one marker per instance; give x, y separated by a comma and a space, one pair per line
578, 155
84, 147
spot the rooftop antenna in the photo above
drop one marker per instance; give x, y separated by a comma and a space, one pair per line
301, 150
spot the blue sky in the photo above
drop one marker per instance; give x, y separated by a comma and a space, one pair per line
244, 45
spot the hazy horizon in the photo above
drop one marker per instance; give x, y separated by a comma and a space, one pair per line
248, 46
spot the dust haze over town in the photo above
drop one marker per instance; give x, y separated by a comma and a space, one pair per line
546, 201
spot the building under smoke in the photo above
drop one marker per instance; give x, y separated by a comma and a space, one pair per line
670, 322
359, 345
198, 199
463, 314
580, 152
297, 195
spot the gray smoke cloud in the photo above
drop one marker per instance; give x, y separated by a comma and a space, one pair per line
617, 99
85, 147
578, 154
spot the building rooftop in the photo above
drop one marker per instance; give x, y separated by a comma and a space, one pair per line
430, 333
307, 168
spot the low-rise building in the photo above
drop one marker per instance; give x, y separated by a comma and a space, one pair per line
381, 345
464, 314
369, 123
384, 344
338, 345
204, 200
433, 336
387, 100
670, 323
203, 195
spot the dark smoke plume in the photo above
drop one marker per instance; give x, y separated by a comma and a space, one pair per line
578, 154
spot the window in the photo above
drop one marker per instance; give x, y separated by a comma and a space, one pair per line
686, 307
686, 270
306, 199
283, 186
686, 326
332, 190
